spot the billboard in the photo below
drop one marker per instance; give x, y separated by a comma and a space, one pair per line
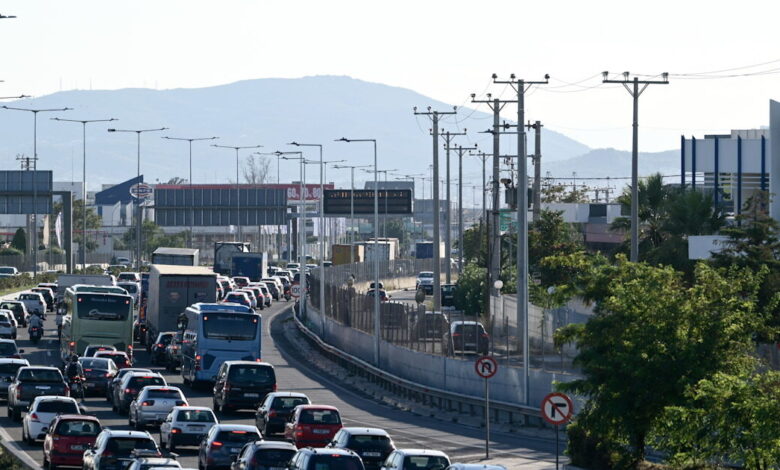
216, 205
17, 189
391, 202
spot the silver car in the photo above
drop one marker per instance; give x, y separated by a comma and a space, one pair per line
153, 404
186, 425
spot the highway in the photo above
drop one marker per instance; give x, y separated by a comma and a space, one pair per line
461, 442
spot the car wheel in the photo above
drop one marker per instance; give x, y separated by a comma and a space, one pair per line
17, 415
215, 406
171, 446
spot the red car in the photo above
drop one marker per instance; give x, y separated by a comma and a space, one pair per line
120, 358
68, 436
312, 425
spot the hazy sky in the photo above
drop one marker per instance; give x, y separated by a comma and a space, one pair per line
444, 49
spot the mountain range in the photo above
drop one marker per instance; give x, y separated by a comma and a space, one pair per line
272, 112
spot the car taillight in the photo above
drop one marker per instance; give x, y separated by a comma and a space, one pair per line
159, 345
216, 444
34, 417
16, 356
19, 392
181, 403
129, 391
272, 413
455, 335
107, 453
175, 430
147, 403
485, 335
299, 430
108, 374
274, 387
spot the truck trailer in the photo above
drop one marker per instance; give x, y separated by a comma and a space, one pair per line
252, 265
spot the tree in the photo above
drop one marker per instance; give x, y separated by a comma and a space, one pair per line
552, 193
19, 241
651, 338
470, 294
153, 237
550, 236
652, 196
256, 169
474, 248
94, 222
394, 228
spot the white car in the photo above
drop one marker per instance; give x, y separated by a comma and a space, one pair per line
33, 302
153, 404
405, 459
186, 425
251, 296
8, 325
266, 293
133, 289
42, 412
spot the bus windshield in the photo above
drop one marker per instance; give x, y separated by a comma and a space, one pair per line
230, 326
103, 307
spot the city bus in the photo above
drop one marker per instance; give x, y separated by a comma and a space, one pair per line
215, 333
97, 315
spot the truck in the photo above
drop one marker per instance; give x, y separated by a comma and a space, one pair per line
176, 256
67, 280
382, 251
223, 253
424, 250
171, 290
252, 265
340, 253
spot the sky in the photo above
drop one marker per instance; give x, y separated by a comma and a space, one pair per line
444, 49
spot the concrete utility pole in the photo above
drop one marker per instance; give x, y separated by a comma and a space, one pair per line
537, 159
448, 136
635, 92
435, 116
461, 150
521, 86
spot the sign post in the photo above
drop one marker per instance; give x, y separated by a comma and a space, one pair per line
486, 367
295, 290
557, 409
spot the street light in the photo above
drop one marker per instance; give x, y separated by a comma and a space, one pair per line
138, 133
384, 218
192, 192
238, 185
351, 207
84, 180
302, 229
376, 245
279, 226
35, 176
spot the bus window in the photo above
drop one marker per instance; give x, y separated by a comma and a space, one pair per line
101, 307
230, 326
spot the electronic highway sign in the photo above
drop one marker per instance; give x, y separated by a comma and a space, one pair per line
391, 201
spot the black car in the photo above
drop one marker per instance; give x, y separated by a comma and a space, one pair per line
315, 459
30, 382
48, 296
448, 295
264, 455
157, 350
466, 336
429, 326
371, 444
98, 372
242, 384
276, 410
118, 378
8, 368
20, 311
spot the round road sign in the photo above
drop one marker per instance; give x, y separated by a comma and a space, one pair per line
141, 191
557, 409
295, 290
486, 367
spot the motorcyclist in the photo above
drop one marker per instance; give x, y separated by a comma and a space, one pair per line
35, 322
73, 368
59, 319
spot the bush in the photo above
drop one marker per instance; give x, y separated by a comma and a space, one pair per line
10, 252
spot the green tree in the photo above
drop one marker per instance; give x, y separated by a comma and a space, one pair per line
94, 222
471, 291
652, 197
19, 241
551, 236
474, 248
552, 193
651, 338
153, 237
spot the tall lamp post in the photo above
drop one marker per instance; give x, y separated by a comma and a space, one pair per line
238, 183
35, 175
384, 218
84, 179
377, 330
278, 156
138, 133
329, 225
302, 229
351, 208
190, 140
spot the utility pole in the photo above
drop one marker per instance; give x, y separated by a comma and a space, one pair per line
537, 159
521, 86
635, 92
435, 116
448, 136
239, 238
461, 150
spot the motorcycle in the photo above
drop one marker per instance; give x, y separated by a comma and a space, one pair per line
76, 387
35, 334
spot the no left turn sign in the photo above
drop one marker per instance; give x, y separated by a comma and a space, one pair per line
557, 409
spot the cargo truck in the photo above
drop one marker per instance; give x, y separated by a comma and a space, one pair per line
252, 265
67, 280
223, 253
340, 254
424, 250
171, 290
176, 256
382, 251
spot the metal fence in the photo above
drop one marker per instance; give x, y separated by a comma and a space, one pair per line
388, 270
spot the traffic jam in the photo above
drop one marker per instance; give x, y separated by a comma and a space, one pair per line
142, 348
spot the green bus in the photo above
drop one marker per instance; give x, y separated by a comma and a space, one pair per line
96, 315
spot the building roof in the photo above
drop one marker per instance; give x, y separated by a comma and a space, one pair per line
117, 193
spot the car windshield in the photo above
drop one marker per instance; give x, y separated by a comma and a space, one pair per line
288, 403
58, 406
29, 297
93, 363
7, 369
77, 428
171, 394
103, 307
123, 446
119, 359
426, 275
5, 270
195, 416
274, 457
140, 382
230, 326
369, 442
131, 288
40, 375
7, 348
319, 417
425, 461
251, 375
240, 437
336, 462
13, 306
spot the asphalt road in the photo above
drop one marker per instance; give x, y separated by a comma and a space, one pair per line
461, 442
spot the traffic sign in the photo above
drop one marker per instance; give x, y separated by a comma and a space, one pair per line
507, 218
486, 367
557, 409
295, 290
141, 191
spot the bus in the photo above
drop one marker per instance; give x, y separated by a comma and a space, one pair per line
96, 315
215, 333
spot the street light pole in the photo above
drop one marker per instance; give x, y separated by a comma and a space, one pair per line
192, 191
302, 229
238, 183
351, 208
83, 123
35, 176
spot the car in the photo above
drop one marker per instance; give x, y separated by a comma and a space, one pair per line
152, 405
8, 369
276, 409
98, 374
222, 442
9, 270
381, 285
33, 301
120, 358
414, 459
129, 387
293, 266
312, 425
9, 350
48, 296
133, 289
241, 298
142, 462
67, 438
123, 261
19, 309
383, 297
118, 378
371, 444
90, 350
425, 282
242, 384
127, 276
42, 411
185, 426
283, 273
114, 448
264, 455
31, 382
274, 285
254, 301
448, 295
8, 325
269, 296
325, 459
157, 349
465, 336
241, 281
431, 325
173, 352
